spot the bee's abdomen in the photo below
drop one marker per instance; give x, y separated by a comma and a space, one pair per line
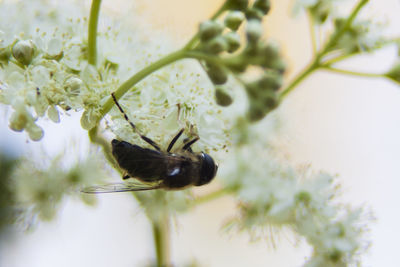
141, 163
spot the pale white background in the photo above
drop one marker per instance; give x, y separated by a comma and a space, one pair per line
344, 125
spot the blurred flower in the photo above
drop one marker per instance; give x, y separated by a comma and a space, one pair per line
272, 193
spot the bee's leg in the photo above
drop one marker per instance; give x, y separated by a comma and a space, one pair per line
125, 175
146, 139
190, 143
173, 141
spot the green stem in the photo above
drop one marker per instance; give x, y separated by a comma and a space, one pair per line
139, 76
92, 31
104, 144
338, 58
204, 56
161, 240
211, 196
312, 33
299, 78
316, 63
354, 73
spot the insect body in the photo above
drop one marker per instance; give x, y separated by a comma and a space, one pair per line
156, 168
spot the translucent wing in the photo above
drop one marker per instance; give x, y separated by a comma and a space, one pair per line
120, 187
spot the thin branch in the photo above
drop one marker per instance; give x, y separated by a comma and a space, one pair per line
354, 73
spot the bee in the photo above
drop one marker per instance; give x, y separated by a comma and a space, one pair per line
155, 168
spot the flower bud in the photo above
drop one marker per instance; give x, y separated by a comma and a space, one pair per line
216, 45
35, 132
18, 121
73, 85
89, 119
209, 29
216, 74
236, 64
253, 31
222, 97
234, 19
237, 4
5, 54
23, 52
262, 5
254, 14
53, 114
270, 81
233, 41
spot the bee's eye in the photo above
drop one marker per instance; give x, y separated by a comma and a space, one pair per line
208, 169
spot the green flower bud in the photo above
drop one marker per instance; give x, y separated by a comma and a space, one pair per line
270, 81
236, 64
320, 11
209, 29
216, 45
263, 5
234, 19
233, 41
23, 52
5, 54
279, 65
260, 107
254, 14
394, 73
216, 74
268, 51
253, 31
237, 4
222, 97
255, 112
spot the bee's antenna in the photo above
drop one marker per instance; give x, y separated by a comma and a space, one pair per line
146, 139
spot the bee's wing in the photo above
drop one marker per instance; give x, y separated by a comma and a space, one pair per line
119, 187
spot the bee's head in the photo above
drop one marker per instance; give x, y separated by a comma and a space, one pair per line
208, 169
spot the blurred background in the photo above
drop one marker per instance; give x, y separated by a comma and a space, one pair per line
344, 125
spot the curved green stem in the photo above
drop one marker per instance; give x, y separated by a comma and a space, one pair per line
104, 144
354, 73
210, 196
139, 76
92, 31
299, 78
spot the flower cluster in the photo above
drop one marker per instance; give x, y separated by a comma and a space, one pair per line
222, 52
32, 189
44, 69
272, 194
358, 37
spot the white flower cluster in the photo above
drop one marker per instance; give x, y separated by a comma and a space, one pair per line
43, 67
38, 188
175, 97
271, 194
46, 71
